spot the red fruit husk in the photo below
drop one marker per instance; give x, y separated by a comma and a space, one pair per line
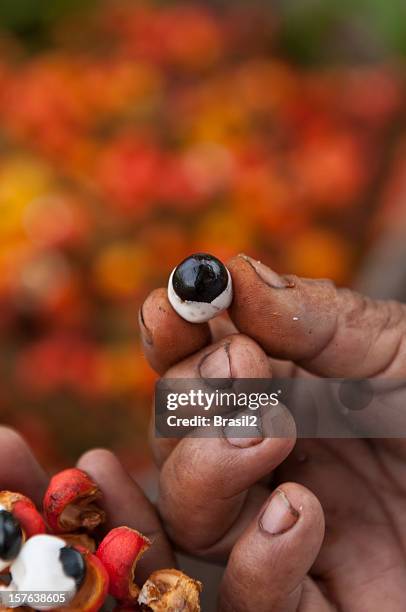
93, 592
24, 511
70, 502
170, 589
119, 552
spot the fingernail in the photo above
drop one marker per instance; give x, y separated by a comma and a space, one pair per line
269, 277
216, 364
230, 432
279, 516
146, 335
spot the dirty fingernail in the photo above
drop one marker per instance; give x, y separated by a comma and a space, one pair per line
279, 516
269, 277
216, 364
245, 435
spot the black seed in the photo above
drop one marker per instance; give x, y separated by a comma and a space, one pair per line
11, 536
200, 278
73, 564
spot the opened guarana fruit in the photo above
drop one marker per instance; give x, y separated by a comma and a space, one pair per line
45, 563
93, 592
25, 511
63, 560
70, 502
170, 589
119, 552
19, 520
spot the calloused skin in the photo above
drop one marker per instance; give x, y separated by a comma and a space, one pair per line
345, 545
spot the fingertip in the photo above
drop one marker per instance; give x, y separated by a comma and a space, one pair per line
221, 326
270, 561
126, 504
10, 438
250, 301
19, 469
239, 264
107, 470
166, 337
96, 459
236, 260
119, 491
235, 356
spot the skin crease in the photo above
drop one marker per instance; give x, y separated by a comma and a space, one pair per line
359, 564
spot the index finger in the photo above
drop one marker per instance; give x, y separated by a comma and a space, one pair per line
125, 504
166, 337
19, 469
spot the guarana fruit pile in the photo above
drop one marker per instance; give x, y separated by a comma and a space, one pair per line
59, 550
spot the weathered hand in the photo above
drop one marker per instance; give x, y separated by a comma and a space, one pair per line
216, 497
125, 504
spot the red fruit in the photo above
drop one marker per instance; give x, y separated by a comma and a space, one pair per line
119, 552
24, 511
93, 591
70, 502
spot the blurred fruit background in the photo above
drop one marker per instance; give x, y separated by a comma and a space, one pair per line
132, 134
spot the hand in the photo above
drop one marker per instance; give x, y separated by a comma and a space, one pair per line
216, 497
123, 500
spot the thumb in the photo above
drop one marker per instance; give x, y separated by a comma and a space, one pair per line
331, 332
267, 569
